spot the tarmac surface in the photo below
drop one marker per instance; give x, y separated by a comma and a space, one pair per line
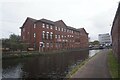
96, 67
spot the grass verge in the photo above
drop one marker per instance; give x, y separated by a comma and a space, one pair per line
113, 65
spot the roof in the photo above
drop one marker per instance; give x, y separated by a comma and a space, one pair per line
46, 21
60, 23
69, 27
82, 29
28, 18
34, 20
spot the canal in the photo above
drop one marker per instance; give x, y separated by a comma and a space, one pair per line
44, 66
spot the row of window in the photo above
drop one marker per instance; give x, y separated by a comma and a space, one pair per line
51, 45
56, 28
47, 34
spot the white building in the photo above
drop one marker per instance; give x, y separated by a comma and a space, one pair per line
105, 39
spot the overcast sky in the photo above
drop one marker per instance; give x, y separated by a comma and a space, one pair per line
96, 16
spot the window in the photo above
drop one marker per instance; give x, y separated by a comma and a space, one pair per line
51, 27
65, 36
43, 25
66, 40
62, 36
47, 26
34, 35
56, 28
23, 29
43, 44
47, 35
43, 34
51, 44
59, 36
62, 29
57, 45
56, 36
67, 30
68, 35
72, 31
51, 35
34, 25
47, 44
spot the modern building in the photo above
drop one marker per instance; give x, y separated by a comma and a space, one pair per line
115, 32
47, 35
105, 39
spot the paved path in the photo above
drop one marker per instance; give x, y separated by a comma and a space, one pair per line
96, 67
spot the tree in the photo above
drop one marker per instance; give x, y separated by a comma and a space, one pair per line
96, 42
14, 43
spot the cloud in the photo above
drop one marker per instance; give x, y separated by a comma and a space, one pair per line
95, 15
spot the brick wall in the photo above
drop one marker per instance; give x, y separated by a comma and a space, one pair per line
64, 37
115, 32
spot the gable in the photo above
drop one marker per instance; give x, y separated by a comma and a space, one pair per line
28, 21
82, 30
60, 23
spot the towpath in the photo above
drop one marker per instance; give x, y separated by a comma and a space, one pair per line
96, 67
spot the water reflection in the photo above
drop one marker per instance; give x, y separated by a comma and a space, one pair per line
13, 72
45, 66
93, 52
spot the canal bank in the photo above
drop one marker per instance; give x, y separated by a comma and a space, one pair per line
47, 66
95, 67
11, 55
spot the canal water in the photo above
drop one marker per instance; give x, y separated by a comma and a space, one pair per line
44, 66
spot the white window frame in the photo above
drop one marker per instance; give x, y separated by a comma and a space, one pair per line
59, 36
55, 36
51, 44
43, 25
67, 35
34, 35
51, 27
62, 36
47, 26
47, 35
55, 27
34, 25
62, 29
51, 35
43, 34
47, 44
28, 32
58, 28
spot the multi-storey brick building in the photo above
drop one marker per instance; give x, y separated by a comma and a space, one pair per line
46, 35
115, 32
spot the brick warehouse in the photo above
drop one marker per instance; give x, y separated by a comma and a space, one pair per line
46, 35
115, 32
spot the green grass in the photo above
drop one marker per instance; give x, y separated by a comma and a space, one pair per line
113, 65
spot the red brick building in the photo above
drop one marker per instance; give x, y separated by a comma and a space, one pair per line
115, 32
46, 35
